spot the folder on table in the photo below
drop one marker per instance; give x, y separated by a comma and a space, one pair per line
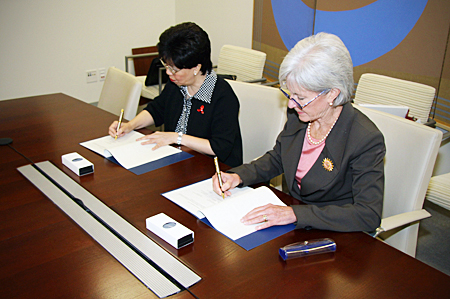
224, 214
134, 156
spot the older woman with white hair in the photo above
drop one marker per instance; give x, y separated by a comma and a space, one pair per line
331, 154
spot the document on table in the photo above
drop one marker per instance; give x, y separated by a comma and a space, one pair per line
127, 151
224, 214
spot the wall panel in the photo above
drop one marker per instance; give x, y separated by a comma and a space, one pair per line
403, 39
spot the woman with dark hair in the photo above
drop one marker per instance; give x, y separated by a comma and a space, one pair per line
198, 109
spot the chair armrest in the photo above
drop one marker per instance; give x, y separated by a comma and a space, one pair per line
141, 55
256, 80
400, 220
271, 83
430, 123
446, 136
161, 69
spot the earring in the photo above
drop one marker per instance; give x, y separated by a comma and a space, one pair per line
331, 104
195, 73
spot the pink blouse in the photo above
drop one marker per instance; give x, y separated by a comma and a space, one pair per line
310, 153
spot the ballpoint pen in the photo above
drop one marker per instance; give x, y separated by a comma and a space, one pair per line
219, 176
120, 122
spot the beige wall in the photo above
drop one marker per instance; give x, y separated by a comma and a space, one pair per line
227, 22
46, 46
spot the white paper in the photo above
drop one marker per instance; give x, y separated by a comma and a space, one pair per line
100, 145
127, 151
198, 196
224, 215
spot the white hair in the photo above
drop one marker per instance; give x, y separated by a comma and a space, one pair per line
320, 62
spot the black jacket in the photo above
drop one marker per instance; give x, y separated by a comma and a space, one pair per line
218, 121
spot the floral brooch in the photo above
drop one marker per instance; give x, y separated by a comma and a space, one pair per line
327, 164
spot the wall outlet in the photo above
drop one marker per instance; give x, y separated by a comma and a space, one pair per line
102, 74
91, 76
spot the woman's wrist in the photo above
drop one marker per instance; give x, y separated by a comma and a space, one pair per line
131, 125
237, 178
179, 138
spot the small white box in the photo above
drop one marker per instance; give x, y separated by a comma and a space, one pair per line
169, 230
78, 164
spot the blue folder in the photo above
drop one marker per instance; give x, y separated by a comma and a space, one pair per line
157, 163
259, 237
256, 238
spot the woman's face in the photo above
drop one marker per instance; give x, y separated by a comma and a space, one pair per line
318, 108
181, 77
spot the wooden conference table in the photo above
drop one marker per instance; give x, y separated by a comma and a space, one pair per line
44, 254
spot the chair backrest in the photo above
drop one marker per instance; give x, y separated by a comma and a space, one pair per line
142, 64
411, 151
262, 116
379, 89
246, 64
120, 90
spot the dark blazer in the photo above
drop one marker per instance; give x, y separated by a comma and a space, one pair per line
347, 198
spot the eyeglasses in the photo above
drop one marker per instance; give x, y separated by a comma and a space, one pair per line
168, 67
298, 104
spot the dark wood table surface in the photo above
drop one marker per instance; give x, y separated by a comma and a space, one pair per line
45, 254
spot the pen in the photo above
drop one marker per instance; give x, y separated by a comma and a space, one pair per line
120, 121
219, 176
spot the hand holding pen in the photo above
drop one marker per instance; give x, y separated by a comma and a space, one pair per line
120, 122
229, 182
219, 175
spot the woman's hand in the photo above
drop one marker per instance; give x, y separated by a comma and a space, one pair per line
270, 215
230, 181
160, 138
124, 129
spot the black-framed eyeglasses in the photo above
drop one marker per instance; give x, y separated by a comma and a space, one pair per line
168, 67
300, 105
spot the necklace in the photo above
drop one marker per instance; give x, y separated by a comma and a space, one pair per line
308, 131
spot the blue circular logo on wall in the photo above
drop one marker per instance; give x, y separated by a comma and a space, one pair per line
368, 32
